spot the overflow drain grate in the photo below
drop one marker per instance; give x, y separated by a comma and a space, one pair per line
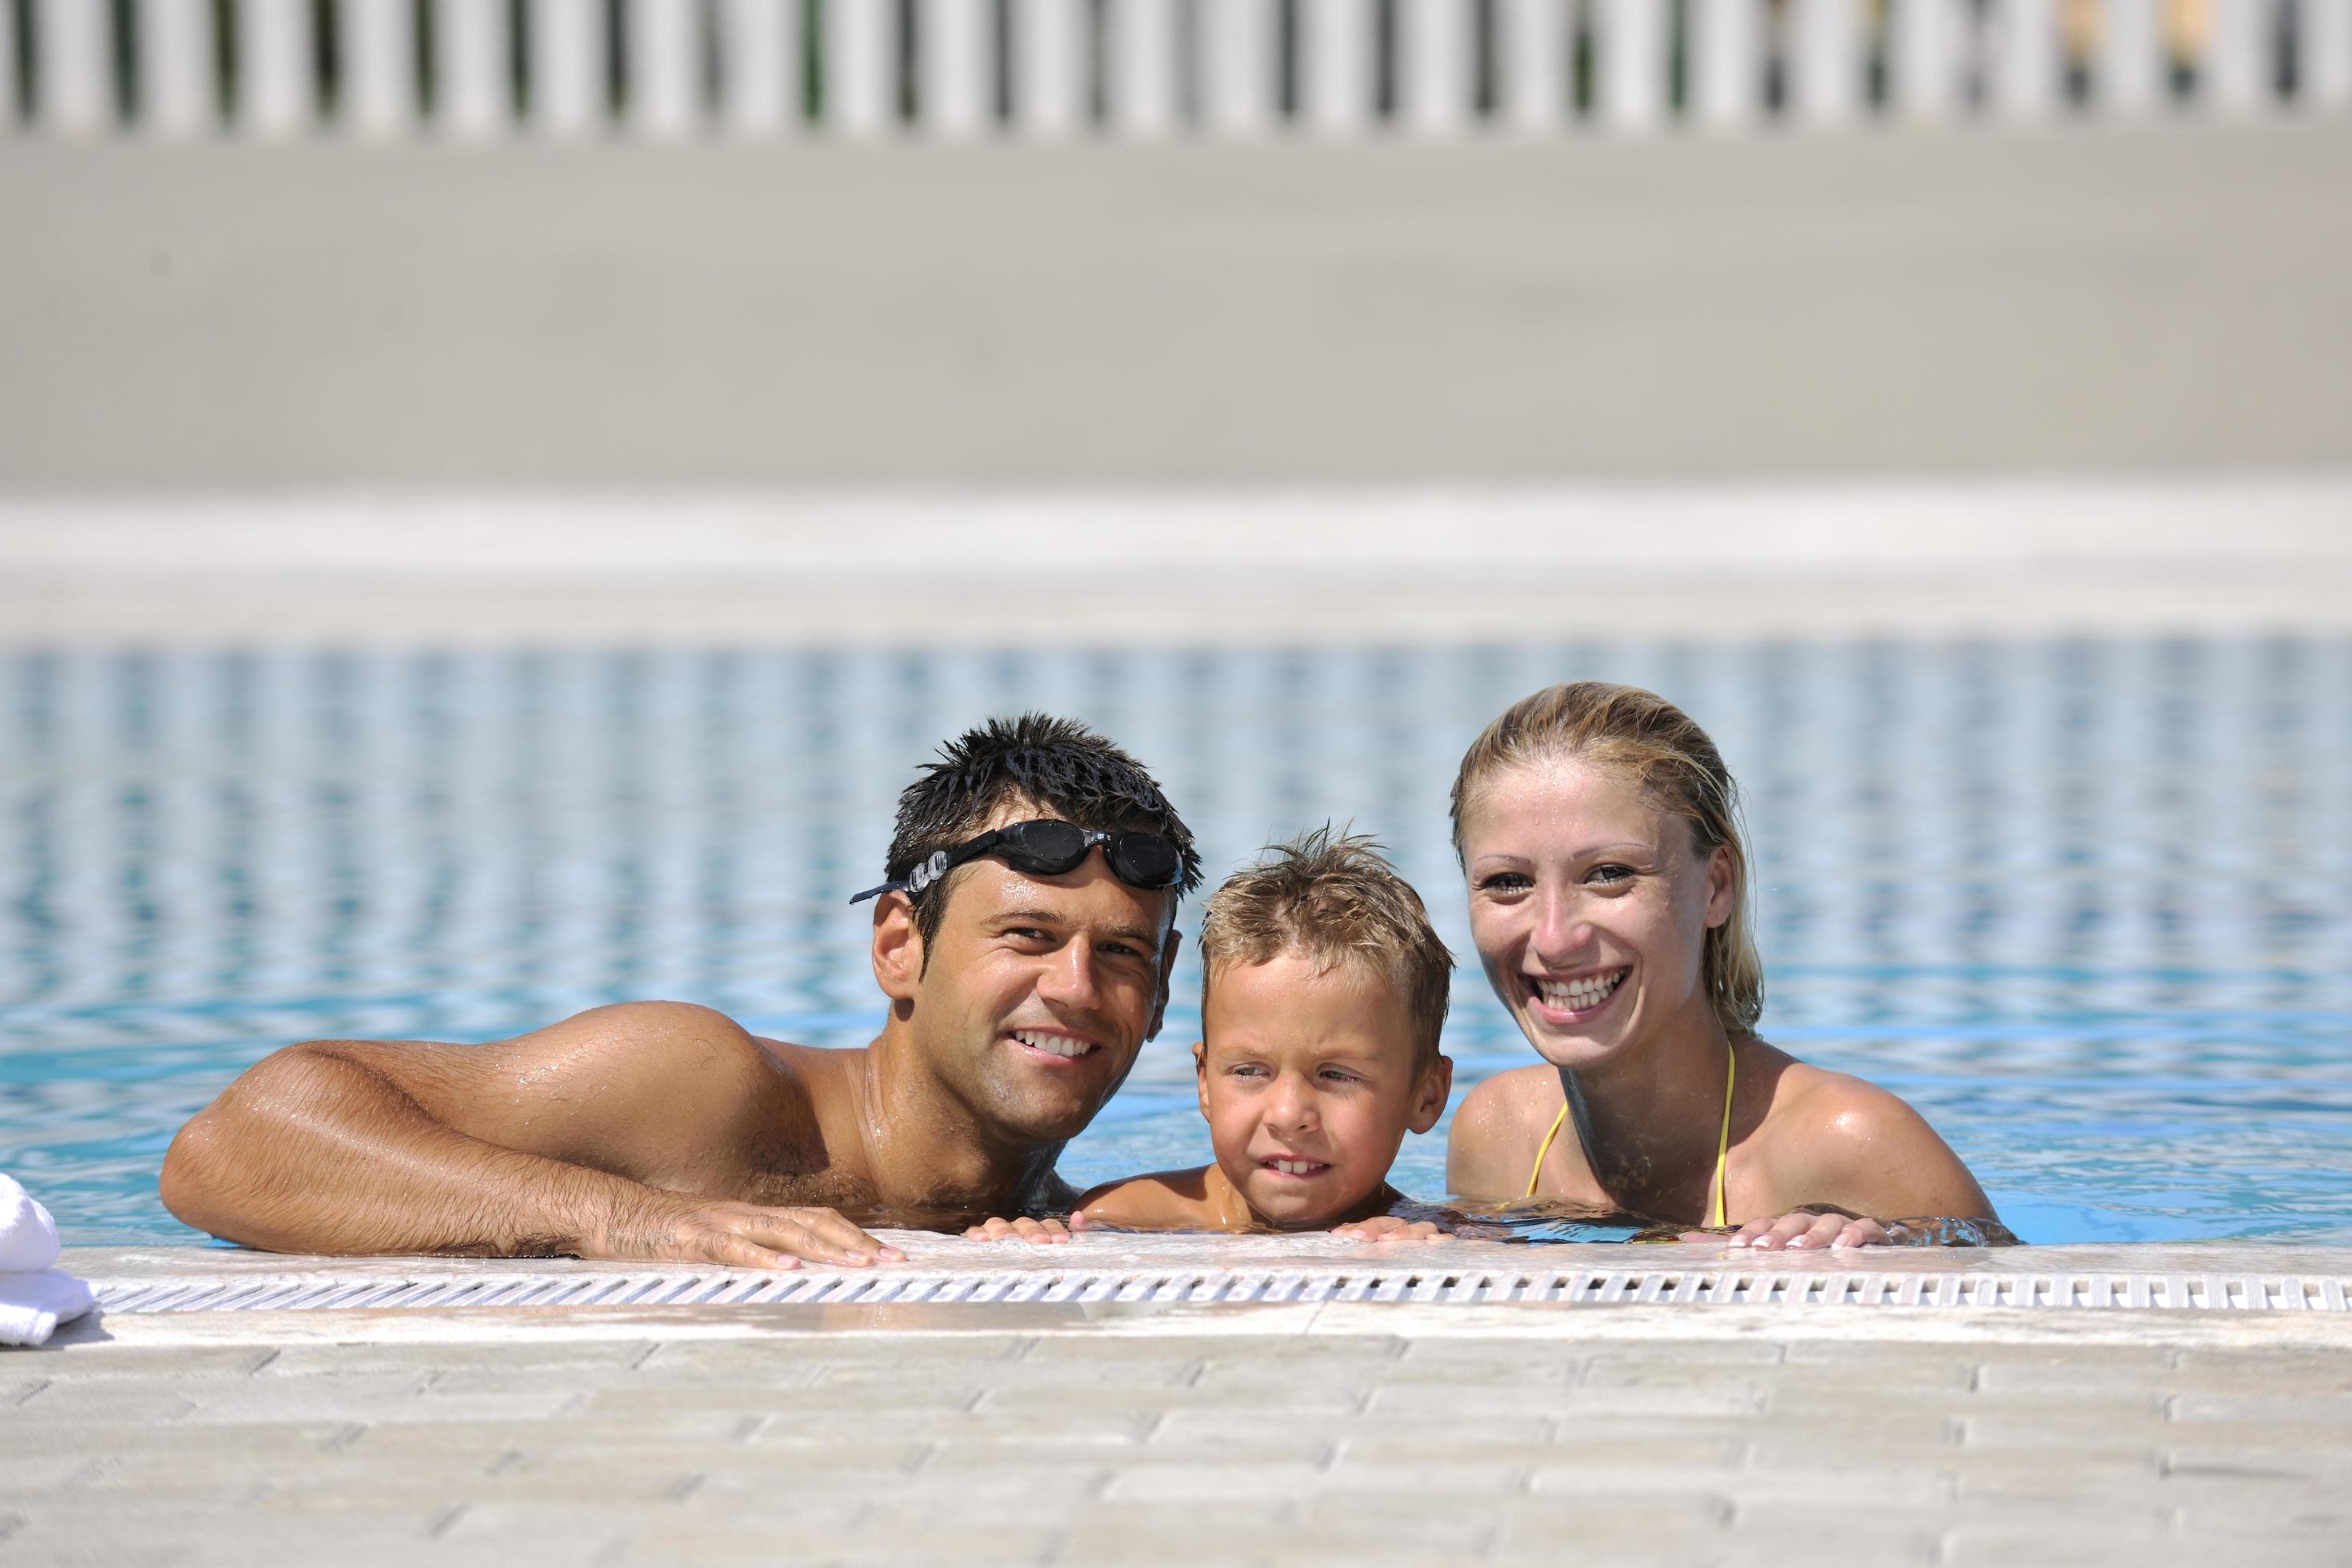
1694, 1287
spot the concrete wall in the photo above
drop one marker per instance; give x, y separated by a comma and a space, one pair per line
2172, 301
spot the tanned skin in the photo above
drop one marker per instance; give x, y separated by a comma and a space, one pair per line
658, 1130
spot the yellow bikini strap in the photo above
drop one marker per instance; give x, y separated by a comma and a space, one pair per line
1545, 1148
1722, 1138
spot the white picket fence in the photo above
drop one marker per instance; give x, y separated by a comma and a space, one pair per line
671, 70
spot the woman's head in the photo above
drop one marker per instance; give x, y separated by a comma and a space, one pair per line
1599, 829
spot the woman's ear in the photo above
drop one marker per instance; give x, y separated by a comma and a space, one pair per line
897, 948
1722, 886
1429, 1101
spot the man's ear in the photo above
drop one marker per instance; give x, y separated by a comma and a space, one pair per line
1167, 968
897, 947
1429, 1101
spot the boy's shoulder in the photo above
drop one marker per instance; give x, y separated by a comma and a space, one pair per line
1163, 1198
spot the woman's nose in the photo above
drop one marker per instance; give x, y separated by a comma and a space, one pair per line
1563, 927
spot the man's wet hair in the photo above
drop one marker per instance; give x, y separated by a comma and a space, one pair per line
1059, 765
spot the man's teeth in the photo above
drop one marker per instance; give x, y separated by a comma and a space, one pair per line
1296, 1167
1578, 994
1058, 1045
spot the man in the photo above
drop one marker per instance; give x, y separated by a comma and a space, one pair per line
1023, 940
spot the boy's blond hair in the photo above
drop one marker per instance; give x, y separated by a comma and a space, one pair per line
1330, 897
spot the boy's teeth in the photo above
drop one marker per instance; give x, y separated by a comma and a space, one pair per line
1579, 995
1294, 1167
1059, 1044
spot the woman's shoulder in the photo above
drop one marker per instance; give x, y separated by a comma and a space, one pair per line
1830, 1137
1496, 1128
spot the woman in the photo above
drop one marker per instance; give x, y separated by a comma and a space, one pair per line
1596, 824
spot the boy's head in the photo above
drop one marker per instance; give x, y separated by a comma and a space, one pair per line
1323, 993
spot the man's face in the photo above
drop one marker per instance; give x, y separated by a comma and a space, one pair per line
1039, 992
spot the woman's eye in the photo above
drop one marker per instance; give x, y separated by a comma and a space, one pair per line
1504, 883
1610, 873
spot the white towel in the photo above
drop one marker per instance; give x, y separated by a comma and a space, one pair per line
32, 1305
29, 1236
34, 1298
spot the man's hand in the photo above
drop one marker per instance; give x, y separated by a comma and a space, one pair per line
1803, 1230
1036, 1232
747, 1236
1391, 1227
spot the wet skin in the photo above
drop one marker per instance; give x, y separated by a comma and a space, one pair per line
664, 1131
1590, 907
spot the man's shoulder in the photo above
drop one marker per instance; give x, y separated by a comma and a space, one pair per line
685, 1044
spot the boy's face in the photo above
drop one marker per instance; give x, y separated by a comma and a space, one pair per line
1308, 1080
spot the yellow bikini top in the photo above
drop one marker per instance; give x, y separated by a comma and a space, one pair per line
1722, 1141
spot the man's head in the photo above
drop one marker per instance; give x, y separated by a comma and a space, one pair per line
1323, 994
1029, 993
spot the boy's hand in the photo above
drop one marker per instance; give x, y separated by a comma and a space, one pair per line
1391, 1227
1804, 1231
1036, 1232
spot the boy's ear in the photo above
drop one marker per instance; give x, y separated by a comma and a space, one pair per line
1201, 1072
897, 948
1429, 1101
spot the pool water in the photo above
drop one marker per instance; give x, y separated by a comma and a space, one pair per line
2088, 905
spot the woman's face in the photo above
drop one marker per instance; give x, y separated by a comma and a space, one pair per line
1590, 907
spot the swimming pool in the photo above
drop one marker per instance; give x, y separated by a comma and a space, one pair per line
2087, 904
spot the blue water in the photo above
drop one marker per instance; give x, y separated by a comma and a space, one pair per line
2088, 905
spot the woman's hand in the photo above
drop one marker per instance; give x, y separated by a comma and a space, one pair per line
1391, 1227
1036, 1232
1804, 1230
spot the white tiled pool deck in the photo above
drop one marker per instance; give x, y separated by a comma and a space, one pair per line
1302, 1431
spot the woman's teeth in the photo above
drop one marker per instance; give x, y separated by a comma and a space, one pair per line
1579, 995
1054, 1044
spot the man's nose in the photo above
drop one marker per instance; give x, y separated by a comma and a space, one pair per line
1069, 977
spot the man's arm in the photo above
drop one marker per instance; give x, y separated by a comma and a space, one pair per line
589, 1138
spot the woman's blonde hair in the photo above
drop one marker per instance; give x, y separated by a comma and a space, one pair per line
1656, 745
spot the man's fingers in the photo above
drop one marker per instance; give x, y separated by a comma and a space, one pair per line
850, 1243
738, 1252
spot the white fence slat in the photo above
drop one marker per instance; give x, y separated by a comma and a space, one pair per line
1049, 74
1533, 64
1825, 60
1433, 65
760, 66
276, 68
2025, 58
2130, 78
379, 66
1632, 48
1143, 64
953, 56
176, 94
663, 59
1336, 65
568, 67
1237, 66
2235, 77
861, 67
73, 67
2327, 54
472, 51
1923, 50
1727, 62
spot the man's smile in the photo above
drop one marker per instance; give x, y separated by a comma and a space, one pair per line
1053, 1043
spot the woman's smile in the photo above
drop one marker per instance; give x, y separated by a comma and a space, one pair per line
1565, 1002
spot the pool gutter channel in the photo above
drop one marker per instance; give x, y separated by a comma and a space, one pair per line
324, 1288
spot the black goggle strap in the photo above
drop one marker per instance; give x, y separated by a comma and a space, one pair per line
929, 871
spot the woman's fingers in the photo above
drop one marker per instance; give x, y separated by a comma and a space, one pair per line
1804, 1231
1036, 1232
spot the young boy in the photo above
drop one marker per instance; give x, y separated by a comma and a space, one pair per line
1323, 990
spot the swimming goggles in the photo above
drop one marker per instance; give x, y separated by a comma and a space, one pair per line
1046, 847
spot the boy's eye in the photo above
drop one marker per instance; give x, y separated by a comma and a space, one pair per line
1338, 1074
